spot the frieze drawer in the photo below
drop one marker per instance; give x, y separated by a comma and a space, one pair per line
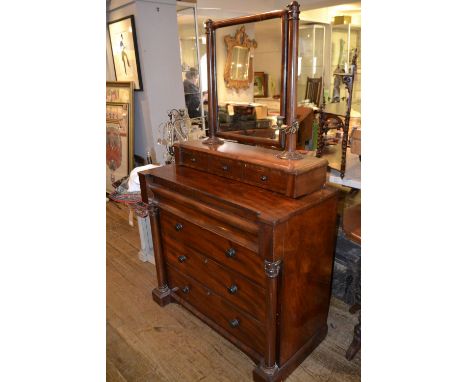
266, 178
226, 167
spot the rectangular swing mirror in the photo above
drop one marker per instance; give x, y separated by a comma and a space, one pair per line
242, 107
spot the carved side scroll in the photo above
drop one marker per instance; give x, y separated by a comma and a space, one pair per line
272, 268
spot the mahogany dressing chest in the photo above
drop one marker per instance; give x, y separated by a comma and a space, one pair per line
243, 236
236, 248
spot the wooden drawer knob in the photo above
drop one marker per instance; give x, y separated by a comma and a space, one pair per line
263, 178
193, 159
231, 252
182, 258
234, 323
186, 289
232, 289
178, 227
225, 168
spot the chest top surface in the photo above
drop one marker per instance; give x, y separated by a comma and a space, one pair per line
267, 205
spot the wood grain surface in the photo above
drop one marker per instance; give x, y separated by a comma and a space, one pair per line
148, 343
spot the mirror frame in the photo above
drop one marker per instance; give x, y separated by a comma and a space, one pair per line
289, 36
242, 40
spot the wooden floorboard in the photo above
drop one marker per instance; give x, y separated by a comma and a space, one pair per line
148, 343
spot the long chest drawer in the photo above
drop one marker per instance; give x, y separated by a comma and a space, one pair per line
177, 232
230, 285
217, 309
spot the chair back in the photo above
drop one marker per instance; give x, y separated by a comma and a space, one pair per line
314, 90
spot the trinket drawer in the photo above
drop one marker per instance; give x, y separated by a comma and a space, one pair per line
253, 264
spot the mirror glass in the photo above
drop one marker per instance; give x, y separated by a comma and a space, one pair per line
249, 67
239, 67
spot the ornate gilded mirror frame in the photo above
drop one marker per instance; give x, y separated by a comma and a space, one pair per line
240, 40
289, 69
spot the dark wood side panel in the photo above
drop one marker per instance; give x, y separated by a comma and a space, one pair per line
308, 247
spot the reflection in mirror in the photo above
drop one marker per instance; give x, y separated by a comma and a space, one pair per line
313, 73
243, 111
239, 68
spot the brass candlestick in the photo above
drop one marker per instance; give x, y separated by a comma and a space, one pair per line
289, 130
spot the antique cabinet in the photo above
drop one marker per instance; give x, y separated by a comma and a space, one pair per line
236, 251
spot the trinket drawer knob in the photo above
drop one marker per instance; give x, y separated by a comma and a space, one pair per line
182, 258
231, 252
232, 289
178, 227
225, 168
263, 178
193, 159
186, 289
234, 323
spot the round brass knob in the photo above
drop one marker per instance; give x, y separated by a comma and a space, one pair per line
263, 178
234, 323
178, 227
225, 168
182, 258
186, 289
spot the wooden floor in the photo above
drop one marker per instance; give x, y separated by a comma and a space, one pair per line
148, 343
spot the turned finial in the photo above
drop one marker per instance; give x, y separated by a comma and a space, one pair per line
208, 25
293, 10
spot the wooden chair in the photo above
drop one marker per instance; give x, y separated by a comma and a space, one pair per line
314, 90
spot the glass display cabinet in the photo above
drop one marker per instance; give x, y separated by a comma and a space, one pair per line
345, 38
190, 52
313, 62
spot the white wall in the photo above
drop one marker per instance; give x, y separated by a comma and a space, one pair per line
158, 45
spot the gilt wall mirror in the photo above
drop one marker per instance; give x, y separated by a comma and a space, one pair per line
238, 47
238, 73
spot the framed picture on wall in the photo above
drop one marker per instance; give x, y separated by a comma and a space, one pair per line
123, 41
260, 84
119, 132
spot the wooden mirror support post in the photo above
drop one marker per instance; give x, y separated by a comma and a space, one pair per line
292, 125
212, 86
